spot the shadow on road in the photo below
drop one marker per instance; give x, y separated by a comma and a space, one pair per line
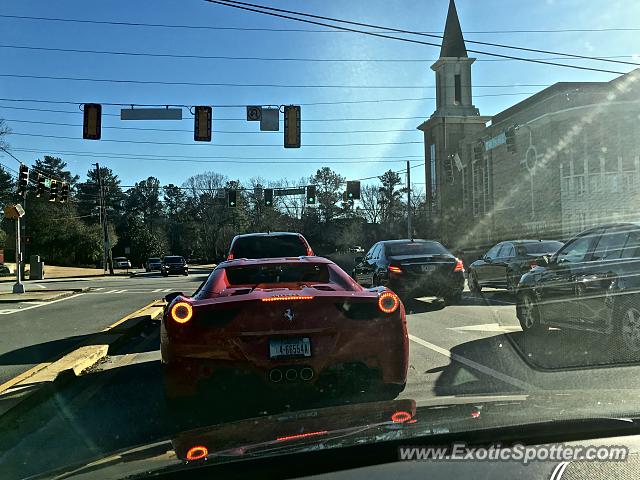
41, 352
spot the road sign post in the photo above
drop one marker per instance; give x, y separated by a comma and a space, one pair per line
15, 212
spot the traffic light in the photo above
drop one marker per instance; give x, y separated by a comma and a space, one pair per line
92, 124
23, 180
353, 190
202, 124
268, 197
511, 140
232, 199
64, 193
292, 126
53, 191
311, 195
41, 186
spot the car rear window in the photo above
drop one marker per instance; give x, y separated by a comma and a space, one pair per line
173, 260
269, 247
415, 248
542, 247
277, 273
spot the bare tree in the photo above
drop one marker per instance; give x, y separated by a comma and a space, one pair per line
370, 200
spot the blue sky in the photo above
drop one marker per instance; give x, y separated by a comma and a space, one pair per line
427, 15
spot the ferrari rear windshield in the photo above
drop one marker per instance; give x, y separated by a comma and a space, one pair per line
415, 248
269, 247
277, 273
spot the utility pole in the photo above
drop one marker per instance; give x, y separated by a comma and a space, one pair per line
106, 257
409, 229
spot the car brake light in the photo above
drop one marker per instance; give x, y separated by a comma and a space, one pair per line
280, 298
459, 266
388, 302
197, 453
394, 269
230, 257
181, 312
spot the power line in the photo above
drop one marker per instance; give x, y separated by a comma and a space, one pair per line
238, 5
31, 168
237, 119
411, 32
145, 142
412, 130
280, 59
266, 29
341, 102
253, 85
227, 159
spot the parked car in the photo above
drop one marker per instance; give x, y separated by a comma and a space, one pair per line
153, 264
121, 262
592, 283
288, 322
269, 245
174, 265
412, 268
504, 264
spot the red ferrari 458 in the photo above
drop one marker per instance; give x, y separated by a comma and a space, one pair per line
285, 321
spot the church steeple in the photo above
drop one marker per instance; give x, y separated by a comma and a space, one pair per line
453, 41
453, 72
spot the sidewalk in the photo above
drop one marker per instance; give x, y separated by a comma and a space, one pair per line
40, 296
53, 271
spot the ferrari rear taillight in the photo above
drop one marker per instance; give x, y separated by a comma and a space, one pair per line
282, 298
197, 453
181, 312
459, 266
388, 302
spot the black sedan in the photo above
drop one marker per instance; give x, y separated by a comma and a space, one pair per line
174, 265
591, 284
412, 268
504, 264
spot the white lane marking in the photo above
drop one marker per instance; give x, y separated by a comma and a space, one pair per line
487, 327
156, 290
475, 365
39, 286
38, 304
97, 288
168, 290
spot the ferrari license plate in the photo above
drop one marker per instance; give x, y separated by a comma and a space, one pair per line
289, 347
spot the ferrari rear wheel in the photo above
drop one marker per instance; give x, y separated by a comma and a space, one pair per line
389, 391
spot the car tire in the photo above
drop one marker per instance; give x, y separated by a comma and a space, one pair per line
529, 314
626, 328
453, 298
165, 274
389, 391
474, 286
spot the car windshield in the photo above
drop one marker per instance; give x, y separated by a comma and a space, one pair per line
268, 247
542, 247
239, 230
415, 248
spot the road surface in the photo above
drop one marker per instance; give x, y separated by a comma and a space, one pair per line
474, 348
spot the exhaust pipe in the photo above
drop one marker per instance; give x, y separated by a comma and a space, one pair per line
291, 374
306, 374
275, 375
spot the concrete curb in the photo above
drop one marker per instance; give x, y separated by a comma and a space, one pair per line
38, 383
58, 294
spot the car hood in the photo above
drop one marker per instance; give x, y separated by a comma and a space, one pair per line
354, 424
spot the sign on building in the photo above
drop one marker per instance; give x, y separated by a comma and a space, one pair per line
496, 141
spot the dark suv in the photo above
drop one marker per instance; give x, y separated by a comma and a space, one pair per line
269, 245
174, 264
592, 284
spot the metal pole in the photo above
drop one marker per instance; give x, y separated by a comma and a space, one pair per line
18, 287
409, 229
100, 202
